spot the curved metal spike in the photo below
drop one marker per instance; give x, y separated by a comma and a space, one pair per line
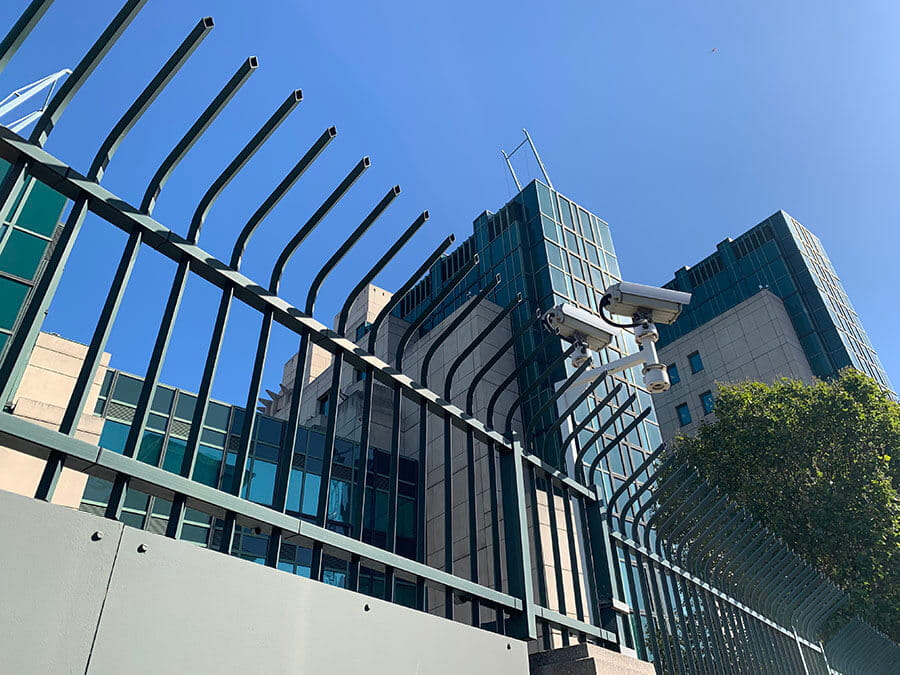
558, 394
570, 409
492, 402
238, 163
582, 425
291, 247
376, 269
473, 385
107, 150
473, 345
347, 245
146, 98
444, 293
615, 441
603, 427
534, 385
461, 316
58, 104
193, 134
406, 288
21, 30
269, 203
14, 180
614, 497
655, 495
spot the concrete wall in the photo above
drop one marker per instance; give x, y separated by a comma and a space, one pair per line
82, 594
753, 340
42, 397
348, 426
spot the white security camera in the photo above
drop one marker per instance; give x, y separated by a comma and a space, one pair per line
644, 303
578, 326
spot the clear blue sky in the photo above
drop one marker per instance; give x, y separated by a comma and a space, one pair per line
677, 146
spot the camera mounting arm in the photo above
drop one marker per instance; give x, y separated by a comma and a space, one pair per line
656, 378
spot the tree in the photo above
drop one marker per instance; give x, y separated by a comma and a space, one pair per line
818, 464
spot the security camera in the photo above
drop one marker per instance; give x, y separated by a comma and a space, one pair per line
644, 303
578, 326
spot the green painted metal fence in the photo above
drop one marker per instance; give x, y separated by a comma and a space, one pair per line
665, 566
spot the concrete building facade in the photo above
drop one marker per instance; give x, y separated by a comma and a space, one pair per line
756, 300
754, 340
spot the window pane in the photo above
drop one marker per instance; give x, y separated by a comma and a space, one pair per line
194, 533
311, 494
22, 254
295, 483
268, 430
684, 415
128, 389
174, 455
184, 408
113, 436
97, 490
151, 448
157, 422
217, 416
262, 482
674, 377
162, 400
12, 294
206, 469
696, 362
42, 209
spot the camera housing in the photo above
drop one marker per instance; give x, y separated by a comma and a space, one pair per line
645, 303
576, 325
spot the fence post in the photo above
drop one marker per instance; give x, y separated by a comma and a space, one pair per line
605, 574
518, 547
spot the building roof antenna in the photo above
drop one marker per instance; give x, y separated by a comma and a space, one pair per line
536, 156
20, 96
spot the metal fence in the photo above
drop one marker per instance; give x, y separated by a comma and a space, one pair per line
665, 565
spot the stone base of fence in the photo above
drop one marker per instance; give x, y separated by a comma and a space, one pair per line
585, 659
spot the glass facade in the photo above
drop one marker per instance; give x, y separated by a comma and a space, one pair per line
551, 250
164, 444
784, 257
24, 239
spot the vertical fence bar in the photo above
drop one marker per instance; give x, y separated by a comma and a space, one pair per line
521, 625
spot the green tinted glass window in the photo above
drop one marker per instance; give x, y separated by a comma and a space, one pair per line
174, 455
22, 254
206, 470
558, 280
268, 430
184, 408
151, 448
12, 295
41, 210
157, 422
544, 199
217, 416
127, 390
162, 400
566, 213
113, 436
549, 229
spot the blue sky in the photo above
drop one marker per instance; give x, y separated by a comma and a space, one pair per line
677, 146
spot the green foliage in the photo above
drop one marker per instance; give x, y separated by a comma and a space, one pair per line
819, 465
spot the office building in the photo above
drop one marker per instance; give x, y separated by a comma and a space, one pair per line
549, 250
765, 305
